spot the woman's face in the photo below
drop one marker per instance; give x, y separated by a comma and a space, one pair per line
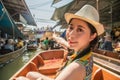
78, 34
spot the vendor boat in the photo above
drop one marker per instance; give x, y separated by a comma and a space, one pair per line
8, 57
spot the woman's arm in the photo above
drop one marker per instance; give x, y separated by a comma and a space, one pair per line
37, 76
74, 71
61, 41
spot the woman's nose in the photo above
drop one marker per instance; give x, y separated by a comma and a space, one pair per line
72, 33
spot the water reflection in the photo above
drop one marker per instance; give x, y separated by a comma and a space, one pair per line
8, 70
26, 57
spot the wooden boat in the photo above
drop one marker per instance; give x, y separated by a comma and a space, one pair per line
107, 53
7, 25
110, 63
5, 58
49, 62
107, 59
32, 47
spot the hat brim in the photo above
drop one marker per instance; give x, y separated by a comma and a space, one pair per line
99, 27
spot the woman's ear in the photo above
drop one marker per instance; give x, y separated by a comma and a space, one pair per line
93, 36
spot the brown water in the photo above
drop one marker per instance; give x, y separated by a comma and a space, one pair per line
9, 69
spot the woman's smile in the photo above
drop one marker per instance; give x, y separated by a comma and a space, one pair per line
72, 42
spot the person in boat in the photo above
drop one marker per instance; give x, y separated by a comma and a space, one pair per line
2, 42
107, 44
20, 43
82, 35
46, 43
51, 43
9, 45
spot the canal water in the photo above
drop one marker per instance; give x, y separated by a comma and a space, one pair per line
9, 69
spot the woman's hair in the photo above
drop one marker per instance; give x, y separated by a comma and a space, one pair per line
93, 30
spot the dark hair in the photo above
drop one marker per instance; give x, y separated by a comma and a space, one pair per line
46, 38
6, 41
93, 30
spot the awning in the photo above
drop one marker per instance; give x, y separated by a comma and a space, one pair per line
109, 10
7, 24
19, 7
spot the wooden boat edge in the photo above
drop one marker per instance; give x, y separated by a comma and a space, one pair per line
103, 70
12, 54
38, 53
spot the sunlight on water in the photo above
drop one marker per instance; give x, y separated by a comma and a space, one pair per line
8, 70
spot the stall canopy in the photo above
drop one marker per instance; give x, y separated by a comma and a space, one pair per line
7, 24
109, 10
19, 7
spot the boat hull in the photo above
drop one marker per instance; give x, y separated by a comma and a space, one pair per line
107, 53
5, 58
32, 47
49, 62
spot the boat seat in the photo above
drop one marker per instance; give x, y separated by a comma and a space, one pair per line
30, 67
51, 66
33, 66
38, 61
97, 75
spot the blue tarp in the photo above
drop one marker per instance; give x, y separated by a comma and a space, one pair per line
7, 24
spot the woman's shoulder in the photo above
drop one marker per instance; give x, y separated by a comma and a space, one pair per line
75, 67
73, 71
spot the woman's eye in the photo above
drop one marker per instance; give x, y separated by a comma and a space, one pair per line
80, 30
71, 28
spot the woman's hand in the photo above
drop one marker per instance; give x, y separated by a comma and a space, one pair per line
61, 41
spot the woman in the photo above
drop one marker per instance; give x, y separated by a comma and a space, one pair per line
82, 34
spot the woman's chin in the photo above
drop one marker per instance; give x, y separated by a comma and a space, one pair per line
72, 46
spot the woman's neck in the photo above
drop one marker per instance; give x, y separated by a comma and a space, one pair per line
83, 52
81, 49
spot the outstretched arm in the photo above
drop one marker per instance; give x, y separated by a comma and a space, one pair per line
37, 76
74, 71
61, 41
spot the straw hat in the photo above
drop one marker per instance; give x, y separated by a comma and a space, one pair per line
89, 14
